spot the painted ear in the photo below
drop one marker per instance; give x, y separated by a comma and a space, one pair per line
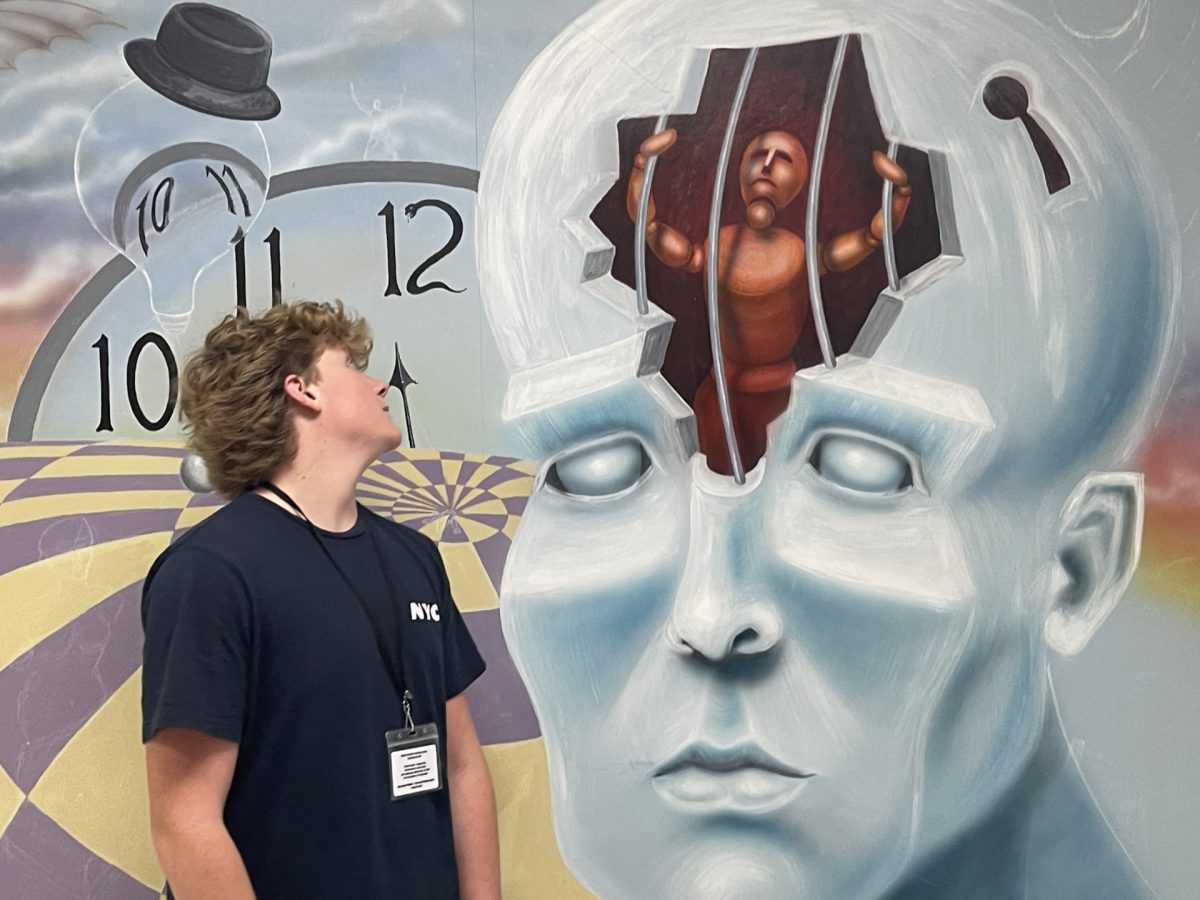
1100, 538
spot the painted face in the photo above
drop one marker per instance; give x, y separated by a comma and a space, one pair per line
797, 686
774, 167
355, 410
761, 677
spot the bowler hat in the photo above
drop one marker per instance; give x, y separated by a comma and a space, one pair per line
208, 59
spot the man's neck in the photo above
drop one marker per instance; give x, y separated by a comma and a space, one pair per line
323, 488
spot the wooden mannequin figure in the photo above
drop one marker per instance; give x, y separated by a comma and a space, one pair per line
762, 282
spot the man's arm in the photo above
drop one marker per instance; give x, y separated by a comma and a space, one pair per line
472, 806
188, 773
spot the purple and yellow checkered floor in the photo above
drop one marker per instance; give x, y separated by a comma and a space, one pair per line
80, 524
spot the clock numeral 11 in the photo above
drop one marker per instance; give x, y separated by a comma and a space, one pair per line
414, 285
131, 368
239, 267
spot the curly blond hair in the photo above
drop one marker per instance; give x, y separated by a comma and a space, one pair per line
232, 401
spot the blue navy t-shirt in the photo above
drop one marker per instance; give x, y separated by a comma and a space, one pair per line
252, 636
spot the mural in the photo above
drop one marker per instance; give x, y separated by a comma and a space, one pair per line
793, 388
80, 525
794, 612
162, 152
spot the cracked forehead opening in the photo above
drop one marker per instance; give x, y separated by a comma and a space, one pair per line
803, 109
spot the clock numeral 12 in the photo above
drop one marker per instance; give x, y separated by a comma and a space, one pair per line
413, 286
131, 369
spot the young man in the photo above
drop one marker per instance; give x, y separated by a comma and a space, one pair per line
305, 737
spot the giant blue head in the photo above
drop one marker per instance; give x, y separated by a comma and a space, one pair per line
801, 684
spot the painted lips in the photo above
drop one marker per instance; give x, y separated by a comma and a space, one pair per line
743, 778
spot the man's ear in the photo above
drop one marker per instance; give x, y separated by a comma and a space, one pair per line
1100, 538
301, 392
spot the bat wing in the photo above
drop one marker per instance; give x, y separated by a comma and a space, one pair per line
33, 24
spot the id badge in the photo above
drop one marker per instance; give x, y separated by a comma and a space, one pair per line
414, 761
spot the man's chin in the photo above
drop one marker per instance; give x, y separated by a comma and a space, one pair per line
390, 441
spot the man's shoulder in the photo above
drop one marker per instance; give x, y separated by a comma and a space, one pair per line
231, 536
405, 542
398, 533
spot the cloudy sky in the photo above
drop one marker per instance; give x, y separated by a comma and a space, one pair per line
424, 80
382, 79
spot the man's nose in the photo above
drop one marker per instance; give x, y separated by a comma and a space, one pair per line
770, 158
721, 612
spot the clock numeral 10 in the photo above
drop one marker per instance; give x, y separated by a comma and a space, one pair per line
160, 211
131, 368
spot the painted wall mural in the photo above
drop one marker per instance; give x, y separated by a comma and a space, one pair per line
802, 394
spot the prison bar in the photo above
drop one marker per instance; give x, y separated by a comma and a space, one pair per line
811, 249
889, 240
714, 225
639, 234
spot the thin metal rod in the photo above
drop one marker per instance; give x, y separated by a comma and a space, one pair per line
814, 202
639, 234
889, 241
712, 252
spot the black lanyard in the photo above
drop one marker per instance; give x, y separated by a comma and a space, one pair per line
394, 673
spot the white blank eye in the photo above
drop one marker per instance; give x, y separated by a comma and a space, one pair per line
600, 469
861, 464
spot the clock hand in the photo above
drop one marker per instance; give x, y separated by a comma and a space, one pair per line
401, 379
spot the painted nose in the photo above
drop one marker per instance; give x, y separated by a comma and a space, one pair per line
720, 611
770, 159
745, 630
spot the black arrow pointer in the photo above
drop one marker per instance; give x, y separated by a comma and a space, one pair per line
401, 379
